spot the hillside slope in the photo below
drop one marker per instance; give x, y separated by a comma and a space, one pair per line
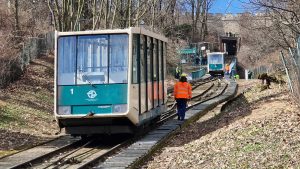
26, 107
258, 130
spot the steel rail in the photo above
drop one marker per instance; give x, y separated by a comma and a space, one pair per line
60, 160
41, 158
88, 157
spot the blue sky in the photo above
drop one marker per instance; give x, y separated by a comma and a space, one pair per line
228, 6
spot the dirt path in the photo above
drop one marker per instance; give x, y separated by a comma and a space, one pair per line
258, 130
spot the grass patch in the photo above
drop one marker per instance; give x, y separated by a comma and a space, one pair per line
252, 147
45, 97
8, 116
20, 115
7, 152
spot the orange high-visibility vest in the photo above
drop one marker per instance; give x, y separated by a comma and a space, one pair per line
182, 90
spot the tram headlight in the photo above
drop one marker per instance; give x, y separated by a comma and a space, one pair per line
120, 108
64, 110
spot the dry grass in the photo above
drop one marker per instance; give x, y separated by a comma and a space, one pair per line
259, 130
26, 107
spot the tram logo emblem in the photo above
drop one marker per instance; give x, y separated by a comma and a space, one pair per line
92, 94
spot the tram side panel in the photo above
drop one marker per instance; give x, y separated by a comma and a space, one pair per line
151, 72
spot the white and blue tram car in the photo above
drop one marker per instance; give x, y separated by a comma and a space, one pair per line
109, 81
215, 63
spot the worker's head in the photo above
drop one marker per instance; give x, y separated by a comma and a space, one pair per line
183, 78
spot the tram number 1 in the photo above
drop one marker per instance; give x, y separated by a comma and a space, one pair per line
72, 91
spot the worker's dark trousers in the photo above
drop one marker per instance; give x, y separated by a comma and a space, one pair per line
181, 108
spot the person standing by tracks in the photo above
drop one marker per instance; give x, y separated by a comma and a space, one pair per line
227, 69
177, 72
182, 93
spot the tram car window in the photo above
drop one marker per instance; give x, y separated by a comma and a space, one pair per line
66, 62
109, 81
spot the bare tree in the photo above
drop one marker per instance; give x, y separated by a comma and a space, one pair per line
17, 26
285, 16
66, 14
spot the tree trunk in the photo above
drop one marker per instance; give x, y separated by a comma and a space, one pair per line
129, 6
153, 15
106, 14
193, 18
172, 11
17, 26
197, 16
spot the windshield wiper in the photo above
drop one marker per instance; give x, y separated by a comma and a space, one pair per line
87, 79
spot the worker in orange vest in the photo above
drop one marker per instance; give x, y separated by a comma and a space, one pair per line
227, 68
182, 93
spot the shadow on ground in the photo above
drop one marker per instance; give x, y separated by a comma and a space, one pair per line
17, 141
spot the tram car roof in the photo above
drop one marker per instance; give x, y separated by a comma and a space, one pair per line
130, 30
215, 53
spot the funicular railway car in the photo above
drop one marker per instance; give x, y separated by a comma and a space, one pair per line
215, 63
109, 81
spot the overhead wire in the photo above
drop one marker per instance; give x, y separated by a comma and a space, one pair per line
228, 5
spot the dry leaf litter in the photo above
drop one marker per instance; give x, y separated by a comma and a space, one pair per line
260, 129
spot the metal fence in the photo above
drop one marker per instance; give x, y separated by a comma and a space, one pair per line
266, 69
290, 66
291, 61
33, 47
198, 74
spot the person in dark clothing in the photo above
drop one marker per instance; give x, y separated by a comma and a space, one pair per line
249, 74
197, 60
182, 93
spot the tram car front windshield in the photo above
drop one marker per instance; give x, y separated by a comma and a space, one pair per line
91, 60
101, 59
215, 59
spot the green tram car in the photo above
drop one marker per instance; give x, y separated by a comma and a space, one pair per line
215, 63
109, 81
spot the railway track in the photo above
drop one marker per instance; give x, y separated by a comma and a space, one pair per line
81, 157
80, 154
86, 153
